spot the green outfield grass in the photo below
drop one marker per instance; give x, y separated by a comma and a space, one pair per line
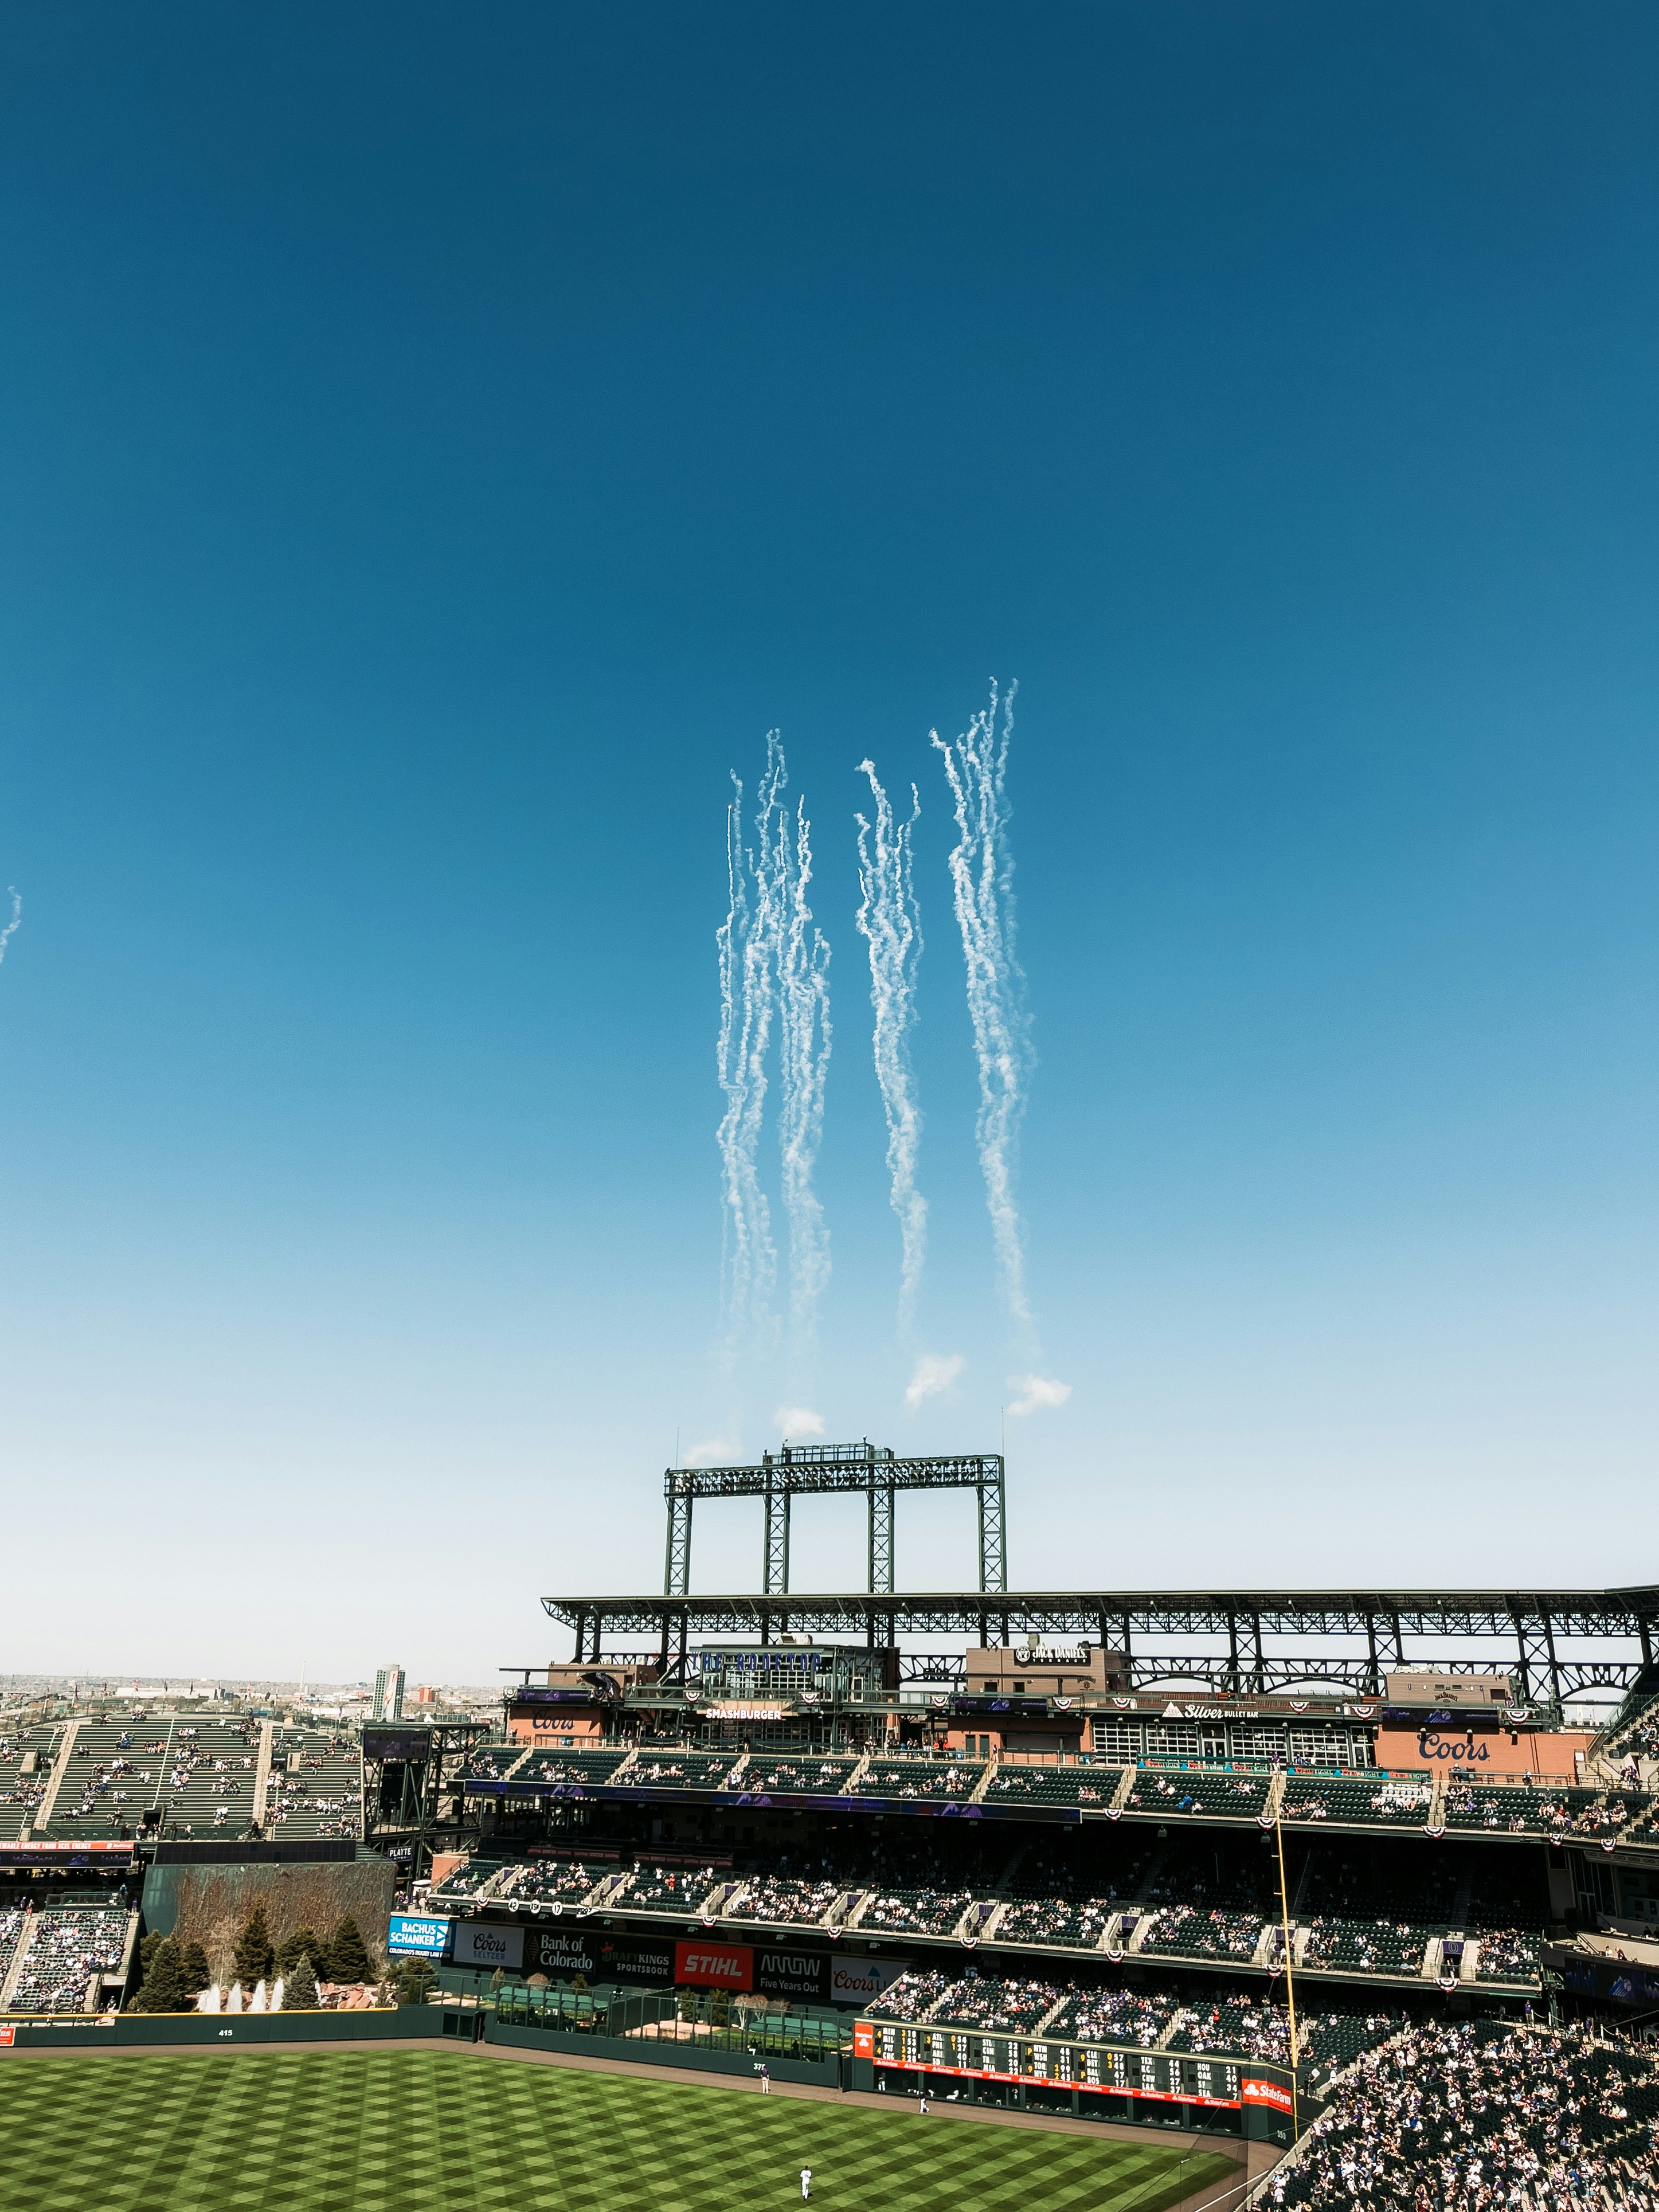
460, 2132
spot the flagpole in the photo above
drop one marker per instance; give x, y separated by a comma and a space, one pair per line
1290, 1973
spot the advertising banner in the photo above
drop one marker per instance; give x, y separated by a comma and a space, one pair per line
714, 1966
854, 1981
1265, 2093
481, 1943
804, 1975
1489, 1751
562, 1955
413, 1935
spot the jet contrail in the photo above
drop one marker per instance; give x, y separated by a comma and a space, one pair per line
804, 1051
746, 972
15, 922
890, 921
981, 878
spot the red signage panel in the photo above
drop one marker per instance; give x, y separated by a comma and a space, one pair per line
1265, 2093
714, 1966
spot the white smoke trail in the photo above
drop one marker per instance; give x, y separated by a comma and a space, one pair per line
16, 922
890, 921
804, 1051
981, 878
746, 962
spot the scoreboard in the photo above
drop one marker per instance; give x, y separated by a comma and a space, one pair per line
1169, 2077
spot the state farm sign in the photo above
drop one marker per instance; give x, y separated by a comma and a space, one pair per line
714, 1966
1265, 2093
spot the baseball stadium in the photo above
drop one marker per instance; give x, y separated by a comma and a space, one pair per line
1092, 1898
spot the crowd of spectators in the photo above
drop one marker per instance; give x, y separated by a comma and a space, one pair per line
1113, 2017
669, 1889
69, 1946
995, 2006
1189, 1932
817, 1778
550, 1881
915, 1911
910, 1997
1481, 2114
919, 1777
795, 1899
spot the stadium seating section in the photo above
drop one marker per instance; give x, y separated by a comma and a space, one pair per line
919, 1777
675, 1889
568, 1882
1370, 1947
1356, 1800
1189, 1932
187, 1776
786, 1899
1482, 2112
995, 2006
1211, 1797
492, 1762
914, 1911
684, 1770
316, 1785
798, 1776
68, 1947
589, 1767
1138, 2016
1089, 1788
912, 1996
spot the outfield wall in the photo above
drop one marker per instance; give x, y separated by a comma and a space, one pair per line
647, 2051
137, 2031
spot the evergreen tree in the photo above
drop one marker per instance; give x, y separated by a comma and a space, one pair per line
414, 1982
347, 1959
303, 1943
194, 1972
299, 1987
254, 1956
147, 1948
164, 1989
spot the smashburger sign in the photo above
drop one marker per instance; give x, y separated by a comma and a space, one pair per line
714, 1966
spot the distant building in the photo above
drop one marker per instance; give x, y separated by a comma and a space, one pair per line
389, 1694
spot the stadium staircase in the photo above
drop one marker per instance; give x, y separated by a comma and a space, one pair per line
1120, 1795
976, 1794
1275, 1797
261, 1768
854, 1781
59, 1769
620, 1774
15, 1967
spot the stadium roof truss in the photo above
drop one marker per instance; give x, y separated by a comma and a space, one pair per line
865, 1470
1532, 1629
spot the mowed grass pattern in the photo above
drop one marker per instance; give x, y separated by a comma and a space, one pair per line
458, 2132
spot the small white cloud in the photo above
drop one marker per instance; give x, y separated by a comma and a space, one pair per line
1036, 1391
798, 1421
935, 1371
719, 1451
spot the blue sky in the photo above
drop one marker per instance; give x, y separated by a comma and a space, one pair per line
437, 448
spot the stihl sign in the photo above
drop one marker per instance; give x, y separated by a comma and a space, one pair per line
714, 1966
